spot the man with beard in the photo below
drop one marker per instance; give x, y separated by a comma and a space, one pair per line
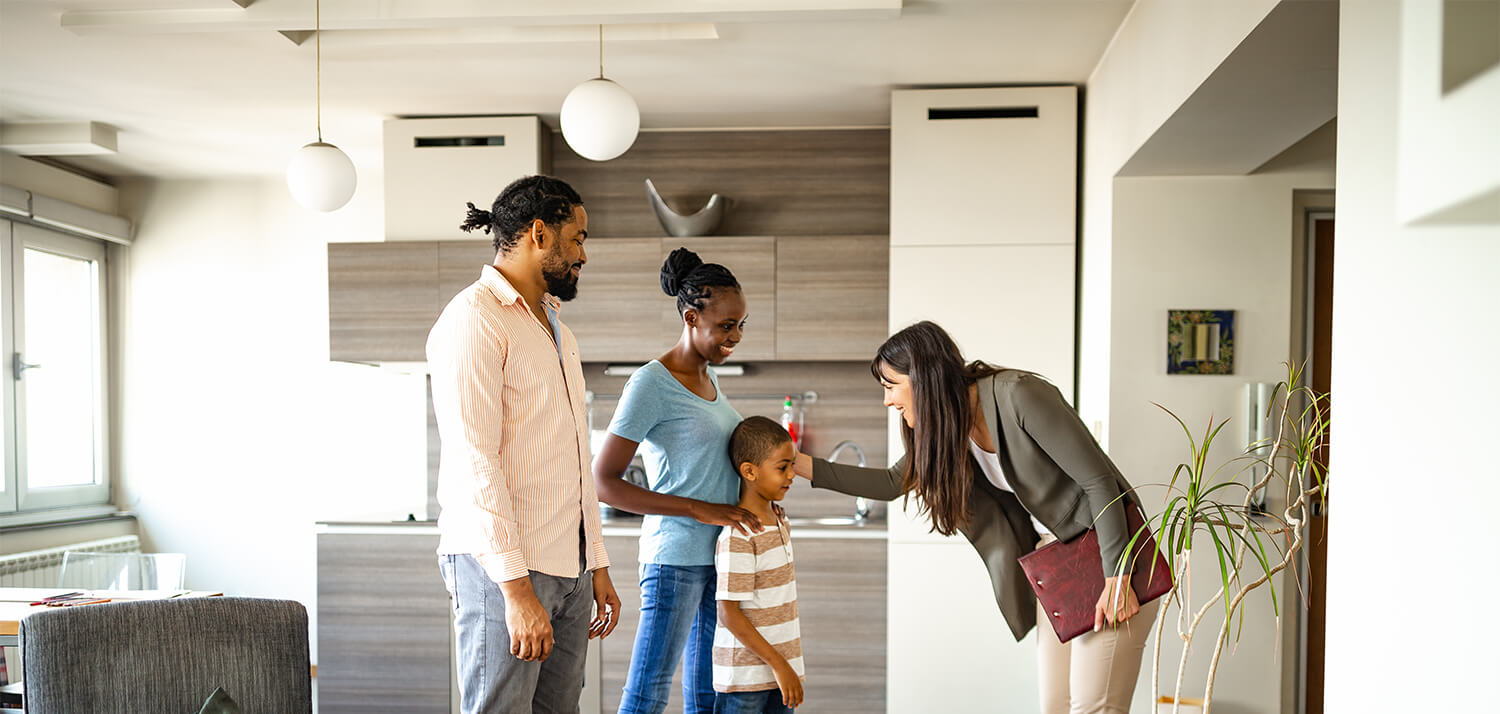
521, 547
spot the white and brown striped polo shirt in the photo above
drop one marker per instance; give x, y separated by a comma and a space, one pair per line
757, 572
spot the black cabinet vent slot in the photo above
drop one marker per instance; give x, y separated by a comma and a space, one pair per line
982, 113
423, 142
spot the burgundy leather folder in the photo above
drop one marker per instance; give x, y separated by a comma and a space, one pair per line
1068, 577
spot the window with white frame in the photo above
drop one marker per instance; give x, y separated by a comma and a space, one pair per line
52, 305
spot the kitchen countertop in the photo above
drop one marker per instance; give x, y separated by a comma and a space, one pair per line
832, 528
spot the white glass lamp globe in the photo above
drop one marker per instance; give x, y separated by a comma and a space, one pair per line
600, 119
321, 177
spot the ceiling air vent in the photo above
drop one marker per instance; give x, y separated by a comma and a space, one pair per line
424, 142
982, 113
434, 165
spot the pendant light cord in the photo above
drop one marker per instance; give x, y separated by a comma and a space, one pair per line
318, 63
601, 52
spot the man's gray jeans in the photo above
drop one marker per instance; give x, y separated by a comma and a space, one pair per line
490, 679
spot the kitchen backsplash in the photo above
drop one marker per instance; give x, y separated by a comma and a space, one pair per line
848, 408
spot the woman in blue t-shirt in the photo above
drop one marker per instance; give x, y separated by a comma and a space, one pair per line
673, 410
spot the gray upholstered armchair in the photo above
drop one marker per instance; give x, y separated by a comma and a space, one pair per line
167, 656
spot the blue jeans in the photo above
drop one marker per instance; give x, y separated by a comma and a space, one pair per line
766, 701
677, 611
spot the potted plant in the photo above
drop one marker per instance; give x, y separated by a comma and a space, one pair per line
1212, 508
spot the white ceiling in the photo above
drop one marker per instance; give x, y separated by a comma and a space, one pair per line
1276, 87
205, 88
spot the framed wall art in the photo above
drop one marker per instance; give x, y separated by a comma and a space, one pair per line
1200, 342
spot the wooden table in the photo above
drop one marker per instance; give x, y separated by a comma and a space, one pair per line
15, 604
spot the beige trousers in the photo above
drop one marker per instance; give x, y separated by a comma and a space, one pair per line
1095, 672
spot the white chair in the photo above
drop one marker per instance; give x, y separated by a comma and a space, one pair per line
122, 571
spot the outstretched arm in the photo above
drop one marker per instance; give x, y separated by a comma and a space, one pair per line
879, 484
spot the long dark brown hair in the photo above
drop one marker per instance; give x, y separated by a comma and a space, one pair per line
937, 468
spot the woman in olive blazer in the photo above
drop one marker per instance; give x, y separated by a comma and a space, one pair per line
997, 455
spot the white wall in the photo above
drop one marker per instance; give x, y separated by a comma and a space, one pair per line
1216, 242
236, 433
1153, 244
1412, 576
1448, 142
1162, 52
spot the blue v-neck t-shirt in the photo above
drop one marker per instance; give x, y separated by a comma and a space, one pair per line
684, 441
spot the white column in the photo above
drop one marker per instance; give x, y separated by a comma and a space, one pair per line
983, 243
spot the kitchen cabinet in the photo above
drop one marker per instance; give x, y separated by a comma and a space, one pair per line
383, 625
984, 166
831, 299
459, 264
385, 639
996, 265
614, 652
841, 603
382, 301
620, 310
809, 298
753, 262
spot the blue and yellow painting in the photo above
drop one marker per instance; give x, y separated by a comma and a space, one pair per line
1200, 342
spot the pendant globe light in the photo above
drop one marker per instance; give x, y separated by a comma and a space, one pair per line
321, 177
599, 118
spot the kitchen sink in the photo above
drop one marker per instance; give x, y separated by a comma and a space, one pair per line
834, 521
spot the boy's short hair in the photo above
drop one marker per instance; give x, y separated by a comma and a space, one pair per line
754, 439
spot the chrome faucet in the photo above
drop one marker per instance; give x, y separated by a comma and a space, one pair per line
861, 505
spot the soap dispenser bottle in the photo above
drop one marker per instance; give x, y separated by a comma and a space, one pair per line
789, 422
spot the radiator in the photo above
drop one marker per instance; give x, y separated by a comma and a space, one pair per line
43, 568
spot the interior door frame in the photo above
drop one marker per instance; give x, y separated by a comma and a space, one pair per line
1308, 207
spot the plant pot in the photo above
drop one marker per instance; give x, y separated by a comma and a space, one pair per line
1185, 706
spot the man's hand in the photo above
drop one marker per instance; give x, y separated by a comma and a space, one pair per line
789, 683
718, 514
526, 619
606, 605
1116, 604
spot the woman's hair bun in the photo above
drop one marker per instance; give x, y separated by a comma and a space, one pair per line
676, 269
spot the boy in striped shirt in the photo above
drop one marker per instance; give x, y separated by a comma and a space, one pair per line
757, 642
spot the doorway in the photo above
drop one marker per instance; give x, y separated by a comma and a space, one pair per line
1312, 341
1320, 234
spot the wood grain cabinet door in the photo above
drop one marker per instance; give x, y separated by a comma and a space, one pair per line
831, 296
459, 264
615, 650
841, 600
618, 311
382, 300
841, 604
383, 625
753, 262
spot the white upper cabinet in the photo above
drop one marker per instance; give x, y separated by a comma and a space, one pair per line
984, 166
433, 166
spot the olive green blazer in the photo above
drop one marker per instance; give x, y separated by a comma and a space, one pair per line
1059, 473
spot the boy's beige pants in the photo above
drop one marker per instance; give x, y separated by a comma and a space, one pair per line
1095, 672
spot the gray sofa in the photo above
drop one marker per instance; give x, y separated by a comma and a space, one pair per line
167, 656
